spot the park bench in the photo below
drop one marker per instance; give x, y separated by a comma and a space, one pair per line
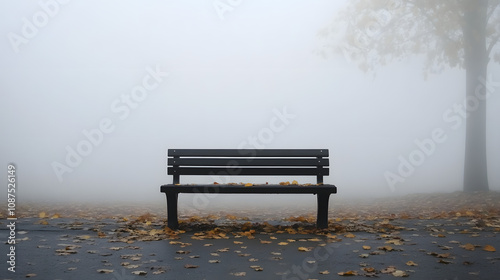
248, 162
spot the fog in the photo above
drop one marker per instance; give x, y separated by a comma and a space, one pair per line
213, 79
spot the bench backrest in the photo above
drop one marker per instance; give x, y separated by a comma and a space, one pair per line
248, 162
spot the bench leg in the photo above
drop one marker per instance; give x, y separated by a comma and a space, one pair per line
172, 210
322, 219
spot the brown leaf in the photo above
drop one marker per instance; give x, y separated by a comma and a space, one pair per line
489, 248
105, 270
190, 266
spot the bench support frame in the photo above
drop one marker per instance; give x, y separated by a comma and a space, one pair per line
260, 162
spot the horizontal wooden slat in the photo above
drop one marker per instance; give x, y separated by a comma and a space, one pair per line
248, 152
247, 162
238, 171
257, 189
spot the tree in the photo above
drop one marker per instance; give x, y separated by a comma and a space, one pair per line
449, 33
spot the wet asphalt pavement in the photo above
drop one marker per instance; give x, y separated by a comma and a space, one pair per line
423, 249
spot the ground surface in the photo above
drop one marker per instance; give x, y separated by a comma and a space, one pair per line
447, 236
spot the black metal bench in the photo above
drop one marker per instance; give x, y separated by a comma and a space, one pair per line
242, 162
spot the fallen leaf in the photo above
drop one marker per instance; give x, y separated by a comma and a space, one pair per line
139, 272
283, 243
399, 273
324, 272
190, 266
213, 261
348, 273
411, 263
350, 235
389, 269
239, 273
489, 248
105, 270
295, 182
30, 275
248, 184
366, 247
369, 269
304, 249
468, 247
256, 268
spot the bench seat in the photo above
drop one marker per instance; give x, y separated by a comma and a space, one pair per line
241, 162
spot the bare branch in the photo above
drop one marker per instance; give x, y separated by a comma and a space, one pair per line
490, 13
492, 44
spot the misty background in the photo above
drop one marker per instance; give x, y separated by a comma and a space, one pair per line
228, 75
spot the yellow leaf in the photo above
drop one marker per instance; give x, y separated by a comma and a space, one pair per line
366, 247
304, 249
285, 183
237, 242
468, 247
489, 248
44, 222
411, 263
248, 184
42, 215
348, 273
55, 216
295, 182
350, 235
283, 243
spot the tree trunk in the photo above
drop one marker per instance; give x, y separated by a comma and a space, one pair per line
476, 62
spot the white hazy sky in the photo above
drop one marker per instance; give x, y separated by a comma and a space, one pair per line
226, 78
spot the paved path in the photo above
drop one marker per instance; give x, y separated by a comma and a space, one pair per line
422, 249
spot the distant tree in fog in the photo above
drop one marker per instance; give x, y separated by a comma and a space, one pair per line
449, 33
